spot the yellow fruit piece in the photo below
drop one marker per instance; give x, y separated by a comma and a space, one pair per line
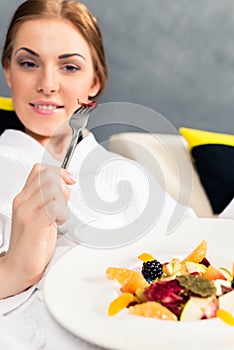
137, 282
120, 303
123, 276
225, 316
198, 253
146, 257
152, 309
140, 294
173, 267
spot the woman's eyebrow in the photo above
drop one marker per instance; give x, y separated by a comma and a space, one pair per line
68, 55
28, 50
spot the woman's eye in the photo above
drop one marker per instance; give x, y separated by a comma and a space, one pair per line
70, 68
28, 64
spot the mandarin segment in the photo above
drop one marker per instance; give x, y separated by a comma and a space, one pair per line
137, 282
146, 257
197, 254
122, 275
120, 303
152, 309
212, 273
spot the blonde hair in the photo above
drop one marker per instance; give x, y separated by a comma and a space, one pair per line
77, 13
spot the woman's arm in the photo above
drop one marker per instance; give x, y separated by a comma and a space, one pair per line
37, 210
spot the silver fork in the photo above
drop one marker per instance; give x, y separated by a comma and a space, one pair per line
77, 122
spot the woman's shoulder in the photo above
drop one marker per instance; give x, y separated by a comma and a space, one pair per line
17, 146
13, 139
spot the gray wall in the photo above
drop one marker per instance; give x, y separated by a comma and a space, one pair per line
174, 56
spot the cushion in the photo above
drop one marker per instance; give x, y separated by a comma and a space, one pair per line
8, 118
213, 156
168, 158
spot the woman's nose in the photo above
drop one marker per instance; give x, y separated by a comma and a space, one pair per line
48, 82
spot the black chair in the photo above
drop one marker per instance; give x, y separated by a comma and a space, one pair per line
8, 118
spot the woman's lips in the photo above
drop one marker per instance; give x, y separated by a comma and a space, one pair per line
45, 108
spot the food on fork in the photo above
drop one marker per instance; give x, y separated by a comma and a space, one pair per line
89, 104
185, 289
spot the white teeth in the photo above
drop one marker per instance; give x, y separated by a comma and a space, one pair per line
46, 107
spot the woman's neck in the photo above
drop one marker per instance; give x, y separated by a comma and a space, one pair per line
57, 145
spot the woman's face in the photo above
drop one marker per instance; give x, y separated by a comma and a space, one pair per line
50, 68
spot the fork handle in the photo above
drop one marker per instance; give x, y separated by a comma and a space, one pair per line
71, 149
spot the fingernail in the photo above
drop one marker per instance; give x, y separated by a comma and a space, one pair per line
72, 177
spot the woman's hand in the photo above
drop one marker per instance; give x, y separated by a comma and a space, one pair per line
37, 210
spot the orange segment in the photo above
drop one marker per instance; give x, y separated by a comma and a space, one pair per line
123, 275
225, 316
198, 253
137, 282
120, 303
212, 273
146, 257
152, 309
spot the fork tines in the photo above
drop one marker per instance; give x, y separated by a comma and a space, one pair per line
77, 122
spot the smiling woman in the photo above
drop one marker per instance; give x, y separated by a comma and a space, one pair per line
45, 82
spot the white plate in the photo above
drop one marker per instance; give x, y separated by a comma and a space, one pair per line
77, 292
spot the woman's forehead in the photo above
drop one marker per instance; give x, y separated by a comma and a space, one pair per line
51, 35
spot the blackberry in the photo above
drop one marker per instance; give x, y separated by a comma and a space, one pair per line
233, 283
151, 270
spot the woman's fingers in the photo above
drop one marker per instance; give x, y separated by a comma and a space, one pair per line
46, 188
67, 177
42, 175
54, 213
49, 206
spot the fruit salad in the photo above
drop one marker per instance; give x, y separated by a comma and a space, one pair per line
186, 289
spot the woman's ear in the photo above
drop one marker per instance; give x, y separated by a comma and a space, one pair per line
7, 73
95, 88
